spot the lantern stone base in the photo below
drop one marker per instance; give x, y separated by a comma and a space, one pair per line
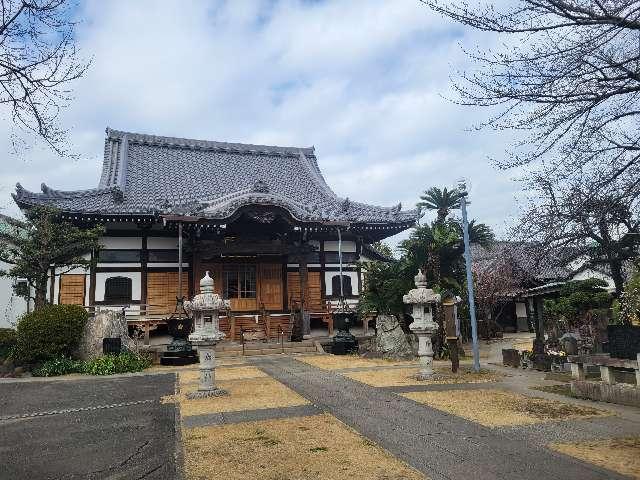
216, 392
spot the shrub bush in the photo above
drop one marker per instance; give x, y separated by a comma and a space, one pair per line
8, 339
122, 363
59, 366
50, 332
108, 365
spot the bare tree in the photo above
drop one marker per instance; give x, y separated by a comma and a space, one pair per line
38, 60
566, 75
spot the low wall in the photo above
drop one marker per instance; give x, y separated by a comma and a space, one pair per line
623, 394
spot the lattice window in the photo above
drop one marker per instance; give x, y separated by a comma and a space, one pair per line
239, 281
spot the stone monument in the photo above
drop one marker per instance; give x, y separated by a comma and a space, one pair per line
422, 299
205, 308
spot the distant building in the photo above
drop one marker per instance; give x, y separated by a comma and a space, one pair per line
533, 278
11, 305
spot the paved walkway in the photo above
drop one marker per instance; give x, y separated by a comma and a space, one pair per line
440, 445
94, 428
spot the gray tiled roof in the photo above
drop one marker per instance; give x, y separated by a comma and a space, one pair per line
147, 174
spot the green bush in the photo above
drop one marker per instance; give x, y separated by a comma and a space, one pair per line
123, 363
50, 332
108, 365
8, 339
59, 366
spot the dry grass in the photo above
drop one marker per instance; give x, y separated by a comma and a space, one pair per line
494, 408
337, 362
406, 376
317, 447
621, 455
244, 394
524, 345
192, 377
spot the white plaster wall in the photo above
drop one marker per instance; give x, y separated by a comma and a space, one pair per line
347, 246
120, 243
136, 283
162, 243
328, 286
521, 310
11, 306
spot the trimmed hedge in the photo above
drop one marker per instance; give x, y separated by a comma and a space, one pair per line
50, 332
108, 365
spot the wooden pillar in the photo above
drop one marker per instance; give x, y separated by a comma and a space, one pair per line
144, 259
92, 281
52, 286
302, 269
323, 285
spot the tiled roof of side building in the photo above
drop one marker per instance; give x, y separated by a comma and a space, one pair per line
148, 174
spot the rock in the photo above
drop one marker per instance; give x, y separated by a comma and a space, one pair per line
390, 340
18, 371
104, 324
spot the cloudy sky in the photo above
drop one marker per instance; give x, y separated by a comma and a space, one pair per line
365, 82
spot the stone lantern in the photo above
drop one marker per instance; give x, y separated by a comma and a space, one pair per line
423, 300
205, 308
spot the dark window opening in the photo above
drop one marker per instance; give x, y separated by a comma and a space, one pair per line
168, 256
347, 257
118, 256
346, 285
117, 291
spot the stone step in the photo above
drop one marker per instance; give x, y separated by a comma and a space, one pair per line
265, 351
261, 346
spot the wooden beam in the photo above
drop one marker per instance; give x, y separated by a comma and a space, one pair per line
144, 258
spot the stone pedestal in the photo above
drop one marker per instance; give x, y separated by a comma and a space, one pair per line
425, 354
207, 386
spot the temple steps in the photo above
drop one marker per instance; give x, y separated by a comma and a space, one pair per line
264, 348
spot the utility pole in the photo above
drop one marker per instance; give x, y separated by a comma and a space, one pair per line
462, 188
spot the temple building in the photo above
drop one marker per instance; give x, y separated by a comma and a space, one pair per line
261, 219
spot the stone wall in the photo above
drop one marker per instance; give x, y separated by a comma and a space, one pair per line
623, 394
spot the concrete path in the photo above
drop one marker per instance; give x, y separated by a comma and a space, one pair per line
89, 429
440, 445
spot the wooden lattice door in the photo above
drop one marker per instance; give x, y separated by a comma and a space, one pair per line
72, 289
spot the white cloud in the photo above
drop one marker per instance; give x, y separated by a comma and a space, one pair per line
363, 81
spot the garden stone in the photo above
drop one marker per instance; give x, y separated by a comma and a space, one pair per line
18, 371
104, 324
390, 340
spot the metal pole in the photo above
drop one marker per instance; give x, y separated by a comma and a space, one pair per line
179, 259
340, 262
467, 261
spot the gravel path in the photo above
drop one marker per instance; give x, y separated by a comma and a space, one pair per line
440, 445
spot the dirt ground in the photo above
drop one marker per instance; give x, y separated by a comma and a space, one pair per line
406, 376
494, 408
621, 455
317, 447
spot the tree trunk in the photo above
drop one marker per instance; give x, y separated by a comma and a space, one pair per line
41, 293
616, 275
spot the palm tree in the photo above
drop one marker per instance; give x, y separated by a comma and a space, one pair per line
480, 233
441, 200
